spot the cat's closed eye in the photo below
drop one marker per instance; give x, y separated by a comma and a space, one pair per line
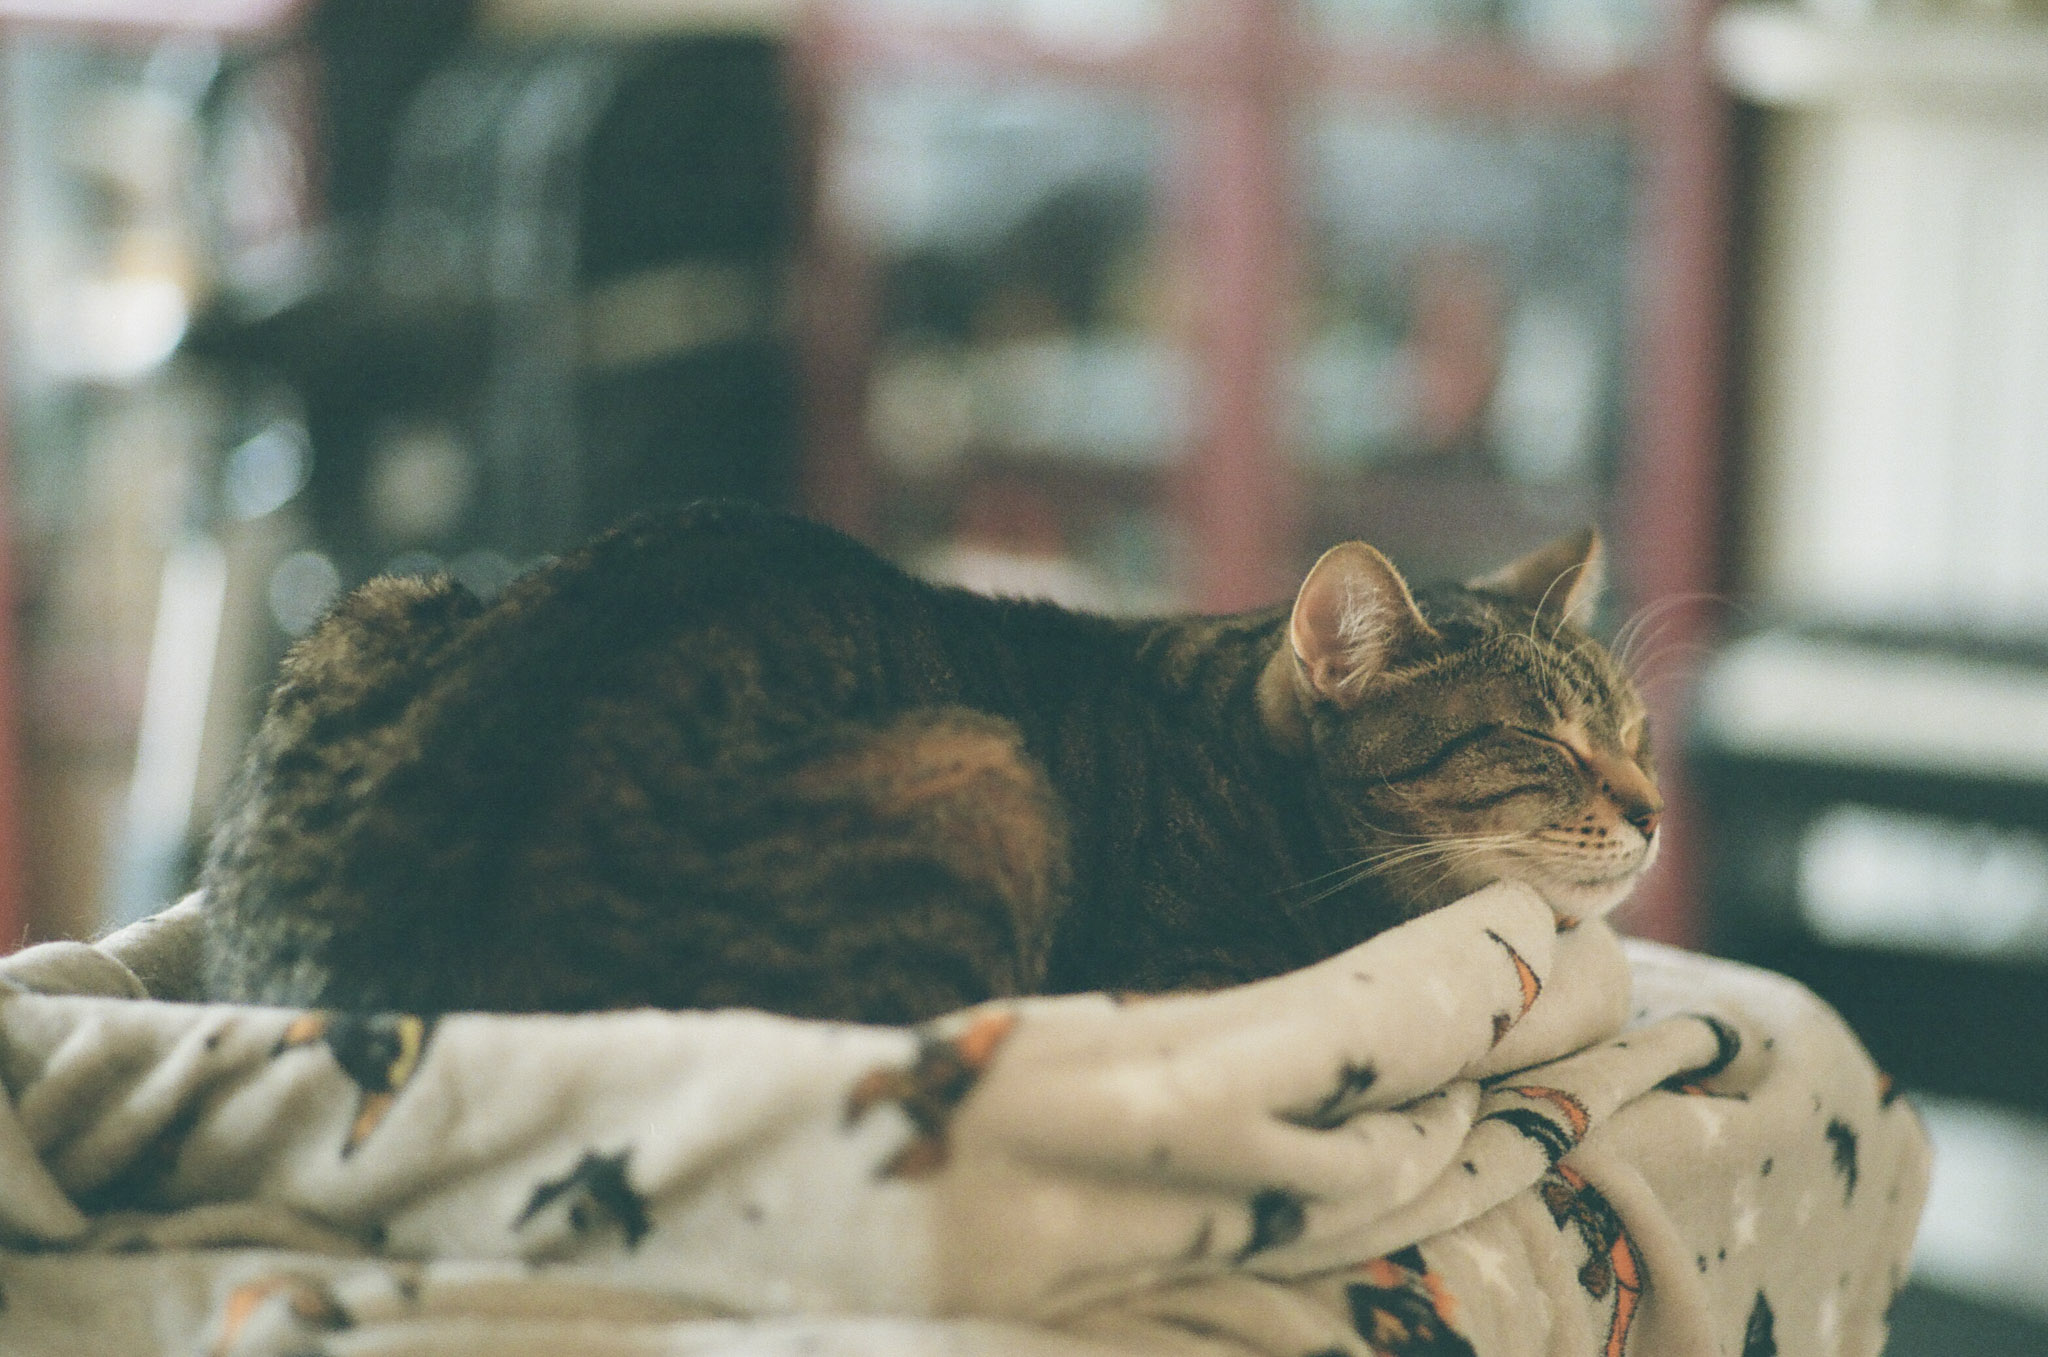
1544, 738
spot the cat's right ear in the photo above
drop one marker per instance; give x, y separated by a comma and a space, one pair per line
1558, 583
1353, 618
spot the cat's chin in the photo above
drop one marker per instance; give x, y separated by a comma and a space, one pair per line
1575, 900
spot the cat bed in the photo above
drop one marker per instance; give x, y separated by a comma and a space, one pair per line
1473, 1134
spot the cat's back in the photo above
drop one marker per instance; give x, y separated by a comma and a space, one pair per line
422, 750
700, 563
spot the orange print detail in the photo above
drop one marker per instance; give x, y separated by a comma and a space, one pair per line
1624, 1264
308, 1303
1574, 1110
1532, 984
1440, 1298
977, 1045
1383, 1274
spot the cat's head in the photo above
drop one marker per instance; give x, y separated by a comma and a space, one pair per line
1469, 733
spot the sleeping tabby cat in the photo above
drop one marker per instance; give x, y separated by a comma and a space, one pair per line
726, 757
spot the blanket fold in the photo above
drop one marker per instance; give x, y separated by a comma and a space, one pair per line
1472, 1134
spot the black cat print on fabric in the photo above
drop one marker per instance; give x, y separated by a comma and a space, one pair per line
1402, 1309
1759, 1335
1613, 1265
1842, 1142
1278, 1218
930, 1091
378, 1051
596, 1191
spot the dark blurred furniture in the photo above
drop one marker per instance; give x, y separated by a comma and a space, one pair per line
1877, 827
462, 299
1930, 1323
1948, 745
556, 268
137, 23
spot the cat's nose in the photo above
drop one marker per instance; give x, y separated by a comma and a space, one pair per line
1629, 790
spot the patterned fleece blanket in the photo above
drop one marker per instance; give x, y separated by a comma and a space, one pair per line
1471, 1135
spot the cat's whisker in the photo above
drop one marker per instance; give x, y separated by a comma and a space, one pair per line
1450, 864
1683, 652
1357, 870
1661, 605
1339, 888
1317, 879
1544, 597
1380, 862
1420, 840
1453, 849
1403, 796
1544, 655
1632, 627
1444, 874
1563, 616
1644, 643
1672, 664
1367, 829
1545, 663
1632, 634
1366, 870
1466, 843
1354, 872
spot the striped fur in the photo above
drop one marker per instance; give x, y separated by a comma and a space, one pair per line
725, 757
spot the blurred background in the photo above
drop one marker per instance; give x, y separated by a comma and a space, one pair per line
1138, 304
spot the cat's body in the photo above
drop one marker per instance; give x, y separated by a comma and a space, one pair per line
725, 757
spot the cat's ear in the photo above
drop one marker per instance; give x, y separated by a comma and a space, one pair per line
1560, 582
1353, 617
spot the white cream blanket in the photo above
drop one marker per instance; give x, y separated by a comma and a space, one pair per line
1472, 1135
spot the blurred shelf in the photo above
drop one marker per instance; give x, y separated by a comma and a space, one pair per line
1978, 1242
147, 16
1492, 77
1877, 806
1958, 1026
1859, 705
1879, 831
1479, 74
637, 18
854, 45
1775, 785
1781, 55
